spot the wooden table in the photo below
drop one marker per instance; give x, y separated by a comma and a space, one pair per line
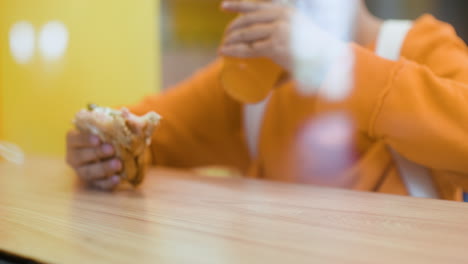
176, 217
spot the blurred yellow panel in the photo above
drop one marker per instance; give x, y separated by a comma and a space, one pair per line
198, 21
111, 57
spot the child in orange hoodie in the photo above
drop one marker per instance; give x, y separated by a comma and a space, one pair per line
410, 102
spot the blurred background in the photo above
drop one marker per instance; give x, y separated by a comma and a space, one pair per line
58, 55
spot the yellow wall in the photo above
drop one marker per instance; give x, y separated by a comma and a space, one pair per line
112, 59
198, 22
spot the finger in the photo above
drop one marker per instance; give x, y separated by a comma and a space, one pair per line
243, 7
240, 50
261, 17
99, 170
107, 184
76, 139
87, 155
262, 47
250, 34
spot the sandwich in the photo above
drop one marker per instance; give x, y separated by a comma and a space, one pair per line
130, 135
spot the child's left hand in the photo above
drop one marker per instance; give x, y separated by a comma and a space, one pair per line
263, 30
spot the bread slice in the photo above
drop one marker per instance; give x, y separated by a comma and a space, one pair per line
129, 134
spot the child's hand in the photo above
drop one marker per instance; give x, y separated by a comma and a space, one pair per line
93, 161
263, 30
285, 35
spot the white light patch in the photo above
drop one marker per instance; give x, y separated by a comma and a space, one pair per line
334, 16
53, 40
339, 80
319, 41
11, 152
22, 41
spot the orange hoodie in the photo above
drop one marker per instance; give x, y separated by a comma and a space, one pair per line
415, 105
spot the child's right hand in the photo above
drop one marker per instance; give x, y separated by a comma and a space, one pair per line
93, 161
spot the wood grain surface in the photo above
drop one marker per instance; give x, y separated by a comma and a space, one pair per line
178, 217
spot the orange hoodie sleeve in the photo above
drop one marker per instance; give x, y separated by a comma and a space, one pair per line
436, 45
201, 125
418, 105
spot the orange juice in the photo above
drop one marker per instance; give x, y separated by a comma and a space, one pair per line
249, 80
